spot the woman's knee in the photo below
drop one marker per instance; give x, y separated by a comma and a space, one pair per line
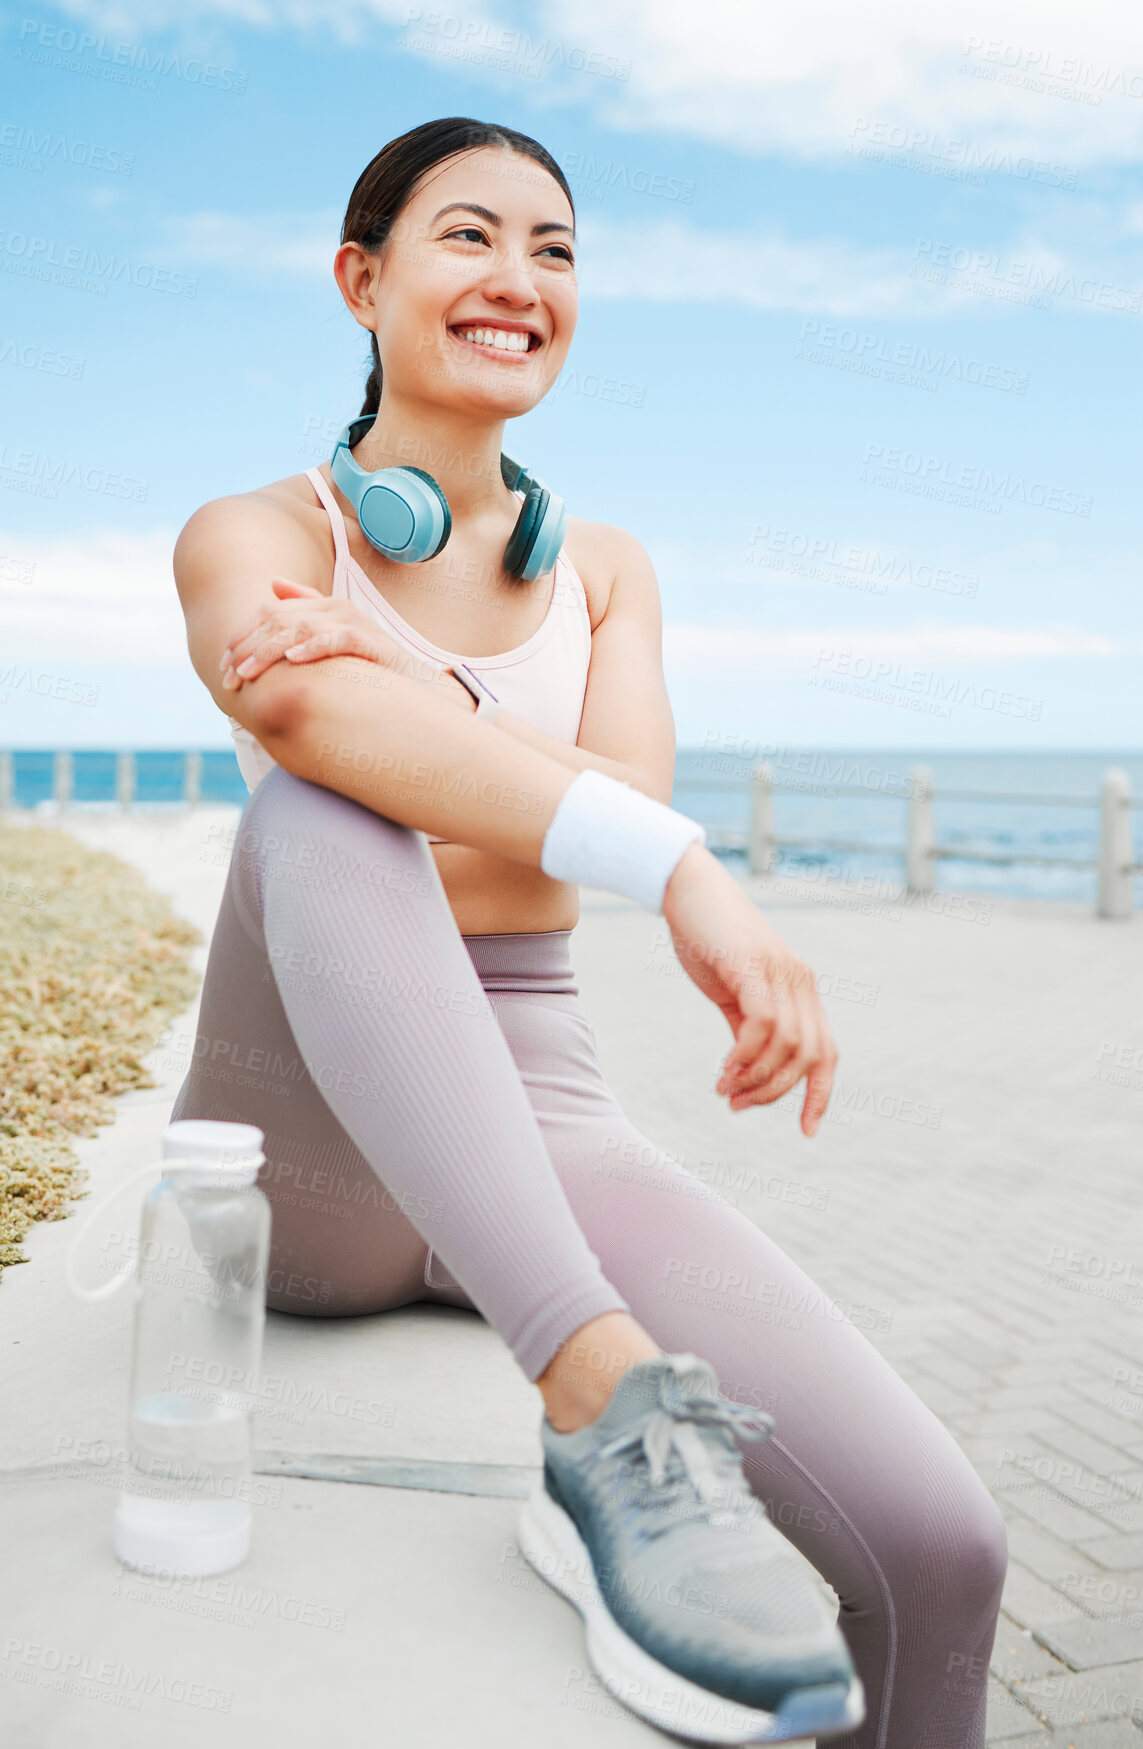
981, 1546
951, 1554
286, 803
309, 834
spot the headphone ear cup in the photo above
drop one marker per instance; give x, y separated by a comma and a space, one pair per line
544, 535
443, 502
404, 514
522, 541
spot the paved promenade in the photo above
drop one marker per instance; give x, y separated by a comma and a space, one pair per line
974, 1199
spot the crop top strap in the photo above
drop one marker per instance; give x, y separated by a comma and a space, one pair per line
336, 520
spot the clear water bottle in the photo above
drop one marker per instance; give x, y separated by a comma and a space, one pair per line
200, 1312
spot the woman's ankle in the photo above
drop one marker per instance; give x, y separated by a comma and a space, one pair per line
578, 1381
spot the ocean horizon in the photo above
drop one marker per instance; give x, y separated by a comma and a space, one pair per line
814, 799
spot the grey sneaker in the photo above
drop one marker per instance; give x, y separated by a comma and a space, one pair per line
699, 1615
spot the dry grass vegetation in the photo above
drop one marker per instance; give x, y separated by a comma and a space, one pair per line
93, 964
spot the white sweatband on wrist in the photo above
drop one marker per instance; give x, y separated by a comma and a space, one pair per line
606, 834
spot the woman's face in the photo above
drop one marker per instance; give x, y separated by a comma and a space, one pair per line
473, 298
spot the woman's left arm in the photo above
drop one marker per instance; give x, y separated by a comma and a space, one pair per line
627, 729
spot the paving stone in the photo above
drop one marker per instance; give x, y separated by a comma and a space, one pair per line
1097, 1454
1094, 1418
977, 1351
1067, 1358
1017, 1421
1007, 1718
1032, 1602
1084, 1697
1114, 1734
958, 1373
1049, 1558
1086, 1645
1123, 1509
941, 1398
1051, 1511
1116, 1553
1018, 1657
1109, 1596
1040, 1394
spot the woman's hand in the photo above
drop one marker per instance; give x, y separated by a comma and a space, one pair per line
768, 995
306, 626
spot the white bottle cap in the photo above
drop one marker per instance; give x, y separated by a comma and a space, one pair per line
229, 1151
157, 1539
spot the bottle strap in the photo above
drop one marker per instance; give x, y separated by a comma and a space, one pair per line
107, 1288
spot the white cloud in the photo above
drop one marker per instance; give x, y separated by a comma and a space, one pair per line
102, 596
763, 272
1061, 83
299, 243
934, 277
697, 648
200, 21
102, 200
1032, 582
795, 80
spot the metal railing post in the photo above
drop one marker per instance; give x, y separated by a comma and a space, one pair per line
1115, 848
61, 779
761, 846
192, 778
125, 780
7, 786
919, 840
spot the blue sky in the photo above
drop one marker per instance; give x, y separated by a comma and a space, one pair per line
857, 357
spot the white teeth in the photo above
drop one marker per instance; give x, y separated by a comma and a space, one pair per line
504, 339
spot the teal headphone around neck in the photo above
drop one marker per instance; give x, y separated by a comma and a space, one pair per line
405, 515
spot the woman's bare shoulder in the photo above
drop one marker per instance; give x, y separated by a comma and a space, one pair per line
603, 554
283, 516
292, 500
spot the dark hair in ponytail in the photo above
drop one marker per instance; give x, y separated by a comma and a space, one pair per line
389, 179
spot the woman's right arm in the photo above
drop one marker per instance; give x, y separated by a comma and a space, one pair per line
384, 738
402, 748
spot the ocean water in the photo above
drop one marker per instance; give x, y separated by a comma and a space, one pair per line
813, 800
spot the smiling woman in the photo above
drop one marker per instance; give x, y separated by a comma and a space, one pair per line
529, 713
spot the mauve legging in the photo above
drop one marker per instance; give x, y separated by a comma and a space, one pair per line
437, 1128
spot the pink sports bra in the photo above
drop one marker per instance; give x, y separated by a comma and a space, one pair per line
542, 681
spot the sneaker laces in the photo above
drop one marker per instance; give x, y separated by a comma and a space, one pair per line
672, 1427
